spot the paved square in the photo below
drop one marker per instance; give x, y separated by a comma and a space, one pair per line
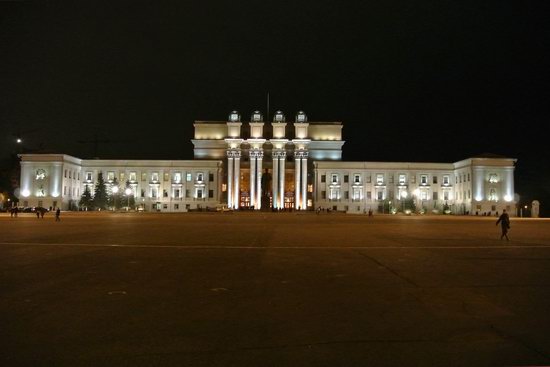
270, 289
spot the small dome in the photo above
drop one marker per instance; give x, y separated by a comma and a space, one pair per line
234, 116
256, 116
279, 117
301, 117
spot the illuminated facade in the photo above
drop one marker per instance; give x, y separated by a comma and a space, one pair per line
276, 166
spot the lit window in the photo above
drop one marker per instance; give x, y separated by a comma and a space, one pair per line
143, 176
166, 176
380, 179
423, 195
402, 179
423, 179
189, 177
110, 176
132, 176
155, 177
493, 178
446, 180
177, 177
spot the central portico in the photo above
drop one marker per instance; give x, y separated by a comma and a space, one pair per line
252, 187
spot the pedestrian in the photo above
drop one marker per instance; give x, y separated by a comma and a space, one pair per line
504, 221
15, 211
57, 214
37, 213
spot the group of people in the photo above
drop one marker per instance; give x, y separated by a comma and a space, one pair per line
39, 212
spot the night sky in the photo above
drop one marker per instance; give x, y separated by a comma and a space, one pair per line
435, 81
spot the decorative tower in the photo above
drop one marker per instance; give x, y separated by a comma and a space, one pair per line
233, 142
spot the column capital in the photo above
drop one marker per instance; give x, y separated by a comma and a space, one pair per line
256, 153
301, 154
279, 154
234, 153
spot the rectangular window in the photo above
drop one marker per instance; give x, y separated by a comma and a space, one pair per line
199, 193
88, 176
323, 178
155, 177
210, 177
176, 206
65, 174
468, 194
413, 179
323, 194
369, 195
187, 194
154, 192
390, 179
142, 193
334, 179
434, 178
133, 177
166, 176
402, 179
189, 177
346, 178
423, 179
446, 180
177, 193
122, 177
165, 206
435, 195
64, 190
460, 178
110, 176
379, 179
468, 177
210, 193
369, 179
164, 193
200, 177
177, 177
423, 195
380, 195
143, 176
346, 194
357, 179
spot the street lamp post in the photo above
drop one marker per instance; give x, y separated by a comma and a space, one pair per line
114, 189
128, 191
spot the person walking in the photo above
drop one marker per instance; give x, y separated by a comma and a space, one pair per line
504, 221
57, 214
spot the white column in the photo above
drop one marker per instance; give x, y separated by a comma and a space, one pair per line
304, 183
237, 176
259, 183
282, 159
230, 164
275, 179
253, 179
297, 188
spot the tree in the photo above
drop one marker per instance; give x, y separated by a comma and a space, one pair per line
100, 198
86, 201
130, 200
409, 204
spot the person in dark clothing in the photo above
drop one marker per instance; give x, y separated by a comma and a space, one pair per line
57, 214
504, 221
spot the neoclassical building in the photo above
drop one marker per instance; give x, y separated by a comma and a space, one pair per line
274, 166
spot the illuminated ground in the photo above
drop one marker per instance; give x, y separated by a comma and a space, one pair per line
249, 289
